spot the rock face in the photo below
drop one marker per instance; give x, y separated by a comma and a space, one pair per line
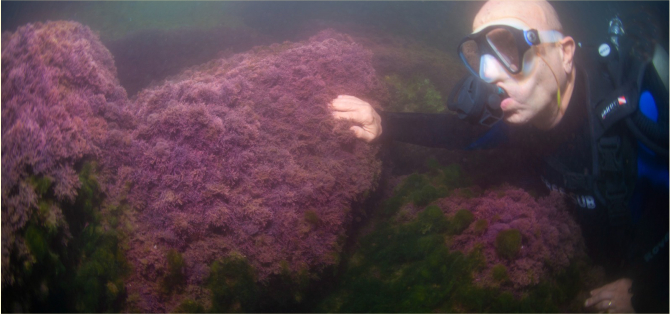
60, 101
549, 237
241, 156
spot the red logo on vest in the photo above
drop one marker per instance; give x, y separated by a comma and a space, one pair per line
622, 101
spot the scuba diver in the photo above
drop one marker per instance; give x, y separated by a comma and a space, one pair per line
595, 116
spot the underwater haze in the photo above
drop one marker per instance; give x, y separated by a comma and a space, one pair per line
182, 157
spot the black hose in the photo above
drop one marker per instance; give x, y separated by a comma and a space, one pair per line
663, 152
654, 131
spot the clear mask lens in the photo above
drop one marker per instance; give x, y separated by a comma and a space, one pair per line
490, 68
471, 54
500, 42
504, 45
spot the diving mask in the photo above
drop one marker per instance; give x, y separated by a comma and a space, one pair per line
505, 41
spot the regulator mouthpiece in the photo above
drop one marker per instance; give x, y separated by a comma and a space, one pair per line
476, 101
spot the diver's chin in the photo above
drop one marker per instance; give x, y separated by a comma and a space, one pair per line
514, 117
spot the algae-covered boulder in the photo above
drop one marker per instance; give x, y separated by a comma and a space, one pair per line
63, 112
442, 257
61, 100
508, 243
241, 155
531, 238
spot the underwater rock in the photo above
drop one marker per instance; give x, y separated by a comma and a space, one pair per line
508, 243
549, 237
242, 156
60, 99
416, 259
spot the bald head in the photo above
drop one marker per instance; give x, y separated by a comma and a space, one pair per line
537, 14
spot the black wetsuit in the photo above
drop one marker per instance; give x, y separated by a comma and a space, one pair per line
638, 250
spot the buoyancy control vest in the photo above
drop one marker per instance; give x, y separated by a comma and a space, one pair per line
615, 122
618, 130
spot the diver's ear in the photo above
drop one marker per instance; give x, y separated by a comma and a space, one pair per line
567, 53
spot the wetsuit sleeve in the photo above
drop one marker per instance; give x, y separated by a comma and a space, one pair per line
650, 268
650, 282
649, 271
431, 130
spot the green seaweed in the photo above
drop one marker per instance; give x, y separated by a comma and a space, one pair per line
175, 278
41, 184
461, 221
285, 291
499, 273
77, 265
418, 189
415, 94
189, 306
412, 183
426, 195
481, 225
312, 218
98, 283
476, 255
406, 266
233, 285
508, 243
401, 195
35, 239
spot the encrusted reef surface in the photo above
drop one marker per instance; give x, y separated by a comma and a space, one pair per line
241, 155
61, 100
237, 157
440, 244
530, 238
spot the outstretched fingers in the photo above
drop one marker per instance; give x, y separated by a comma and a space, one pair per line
368, 122
346, 103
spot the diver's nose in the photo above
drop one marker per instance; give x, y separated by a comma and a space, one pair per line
490, 70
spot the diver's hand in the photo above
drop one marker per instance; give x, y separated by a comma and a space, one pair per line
612, 297
369, 123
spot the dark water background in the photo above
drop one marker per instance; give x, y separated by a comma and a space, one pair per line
152, 40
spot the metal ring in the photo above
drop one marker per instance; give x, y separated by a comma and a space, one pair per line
609, 304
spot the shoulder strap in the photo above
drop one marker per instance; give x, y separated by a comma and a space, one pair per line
611, 101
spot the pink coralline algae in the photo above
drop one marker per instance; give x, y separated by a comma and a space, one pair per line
242, 156
550, 238
60, 96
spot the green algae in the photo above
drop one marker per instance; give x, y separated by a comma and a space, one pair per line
415, 94
427, 194
461, 221
189, 306
508, 243
423, 189
175, 278
406, 266
499, 273
41, 184
233, 285
481, 225
78, 266
312, 218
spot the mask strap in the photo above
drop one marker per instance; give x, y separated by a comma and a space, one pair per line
558, 86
